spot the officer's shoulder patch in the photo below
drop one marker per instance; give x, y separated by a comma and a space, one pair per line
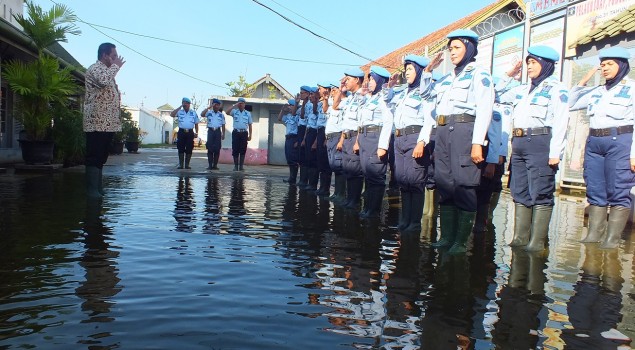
564, 98
446, 83
486, 82
507, 111
496, 116
469, 68
519, 97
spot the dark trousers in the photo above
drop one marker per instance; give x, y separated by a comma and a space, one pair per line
291, 149
351, 165
373, 167
185, 141
301, 149
310, 156
533, 181
410, 173
97, 145
455, 175
239, 142
488, 186
213, 144
322, 152
335, 156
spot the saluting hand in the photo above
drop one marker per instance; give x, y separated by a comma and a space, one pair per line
393, 79
435, 62
588, 76
119, 61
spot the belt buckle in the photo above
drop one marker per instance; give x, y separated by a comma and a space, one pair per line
397, 132
186, 130
441, 120
518, 132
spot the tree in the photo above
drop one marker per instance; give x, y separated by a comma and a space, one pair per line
240, 88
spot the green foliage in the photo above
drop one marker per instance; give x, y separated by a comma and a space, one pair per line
68, 134
272, 92
240, 88
126, 123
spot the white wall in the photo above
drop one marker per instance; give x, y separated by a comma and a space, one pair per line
154, 126
9, 8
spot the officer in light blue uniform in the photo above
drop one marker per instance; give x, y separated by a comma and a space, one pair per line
371, 121
305, 91
540, 119
215, 132
411, 118
354, 79
324, 91
333, 132
242, 132
188, 126
609, 156
463, 107
289, 118
310, 114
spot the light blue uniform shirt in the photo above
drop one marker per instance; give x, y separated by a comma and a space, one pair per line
291, 122
310, 116
546, 106
322, 116
498, 132
606, 108
241, 119
403, 108
371, 112
215, 119
350, 111
188, 119
471, 92
333, 121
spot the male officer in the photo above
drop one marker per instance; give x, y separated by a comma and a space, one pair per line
242, 132
215, 133
188, 128
288, 117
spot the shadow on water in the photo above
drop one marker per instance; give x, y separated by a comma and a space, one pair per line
230, 260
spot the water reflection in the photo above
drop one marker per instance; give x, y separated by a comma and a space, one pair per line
236, 212
213, 206
184, 206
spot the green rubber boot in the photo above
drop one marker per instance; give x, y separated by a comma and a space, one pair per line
597, 224
448, 215
466, 222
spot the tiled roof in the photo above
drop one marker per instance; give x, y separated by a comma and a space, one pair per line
436, 40
165, 107
622, 23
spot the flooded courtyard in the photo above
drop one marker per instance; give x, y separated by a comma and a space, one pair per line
228, 260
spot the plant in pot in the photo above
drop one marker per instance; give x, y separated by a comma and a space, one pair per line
134, 136
41, 84
117, 143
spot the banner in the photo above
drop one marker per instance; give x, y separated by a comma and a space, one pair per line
508, 50
538, 7
550, 34
484, 57
586, 16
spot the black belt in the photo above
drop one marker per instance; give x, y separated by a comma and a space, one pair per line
371, 128
240, 130
624, 129
408, 130
457, 118
520, 132
214, 129
333, 134
291, 136
350, 134
185, 130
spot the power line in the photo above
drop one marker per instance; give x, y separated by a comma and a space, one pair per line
315, 34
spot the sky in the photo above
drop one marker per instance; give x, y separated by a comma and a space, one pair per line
157, 72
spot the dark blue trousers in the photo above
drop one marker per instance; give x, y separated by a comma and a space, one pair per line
351, 165
410, 173
373, 168
185, 141
239, 143
322, 152
533, 180
335, 156
607, 170
301, 151
213, 140
310, 155
97, 145
291, 149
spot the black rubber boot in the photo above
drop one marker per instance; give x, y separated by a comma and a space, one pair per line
325, 184
235, 163
354, 187
597, 224
448, 215
617, 221
539, 228
373, 201
303, 177
493, 203
482, 213
215, 165
312, 179
241, 162
293, 174
181, 158
404, 218
188, 157
417, 201
210, 160
464, 229
339, 195
100, 183
522, 225
92, 182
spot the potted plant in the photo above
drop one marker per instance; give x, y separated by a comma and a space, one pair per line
117, 143
134, 135
41, 84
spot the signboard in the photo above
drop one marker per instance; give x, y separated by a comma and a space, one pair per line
538, 7
508, 50
550, 34
484, 57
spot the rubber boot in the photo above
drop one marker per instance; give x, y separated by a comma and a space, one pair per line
100, 183
181, 158
617, 221
325, 184
373, 201
235, 163
188, 157
536, 277
340, 189
522, 225
92, 182
242, 162
519, 269
597, 224
493, 202
215, 165
417, 200
312, 179
210, 160
482, 213
539, 228
448, 215
303, 177
464, 229
354, 187
293, 174
431, 203
404, 218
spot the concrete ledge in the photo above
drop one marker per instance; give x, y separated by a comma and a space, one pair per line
37, 168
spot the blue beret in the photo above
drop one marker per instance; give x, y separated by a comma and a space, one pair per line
186, 100
355, 72
463, 33
615, 52
381, 71
325, 84
420, 60
291, 102
314, 89
215, 100
335, 84
240, 99
545, 52
305, 88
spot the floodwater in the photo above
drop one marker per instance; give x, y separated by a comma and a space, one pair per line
242, 261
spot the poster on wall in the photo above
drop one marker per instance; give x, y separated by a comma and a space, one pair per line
586, 16
508, 50
550, 34
484, 57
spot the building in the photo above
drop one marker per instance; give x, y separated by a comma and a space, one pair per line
155, 126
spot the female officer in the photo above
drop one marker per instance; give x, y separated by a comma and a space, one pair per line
609, 157
463, 106
371, 122
302, 121
290, 119
310, 140
333, 131
324, 170
540, 121
411, 117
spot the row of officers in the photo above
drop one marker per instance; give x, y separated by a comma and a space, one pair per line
445, 140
